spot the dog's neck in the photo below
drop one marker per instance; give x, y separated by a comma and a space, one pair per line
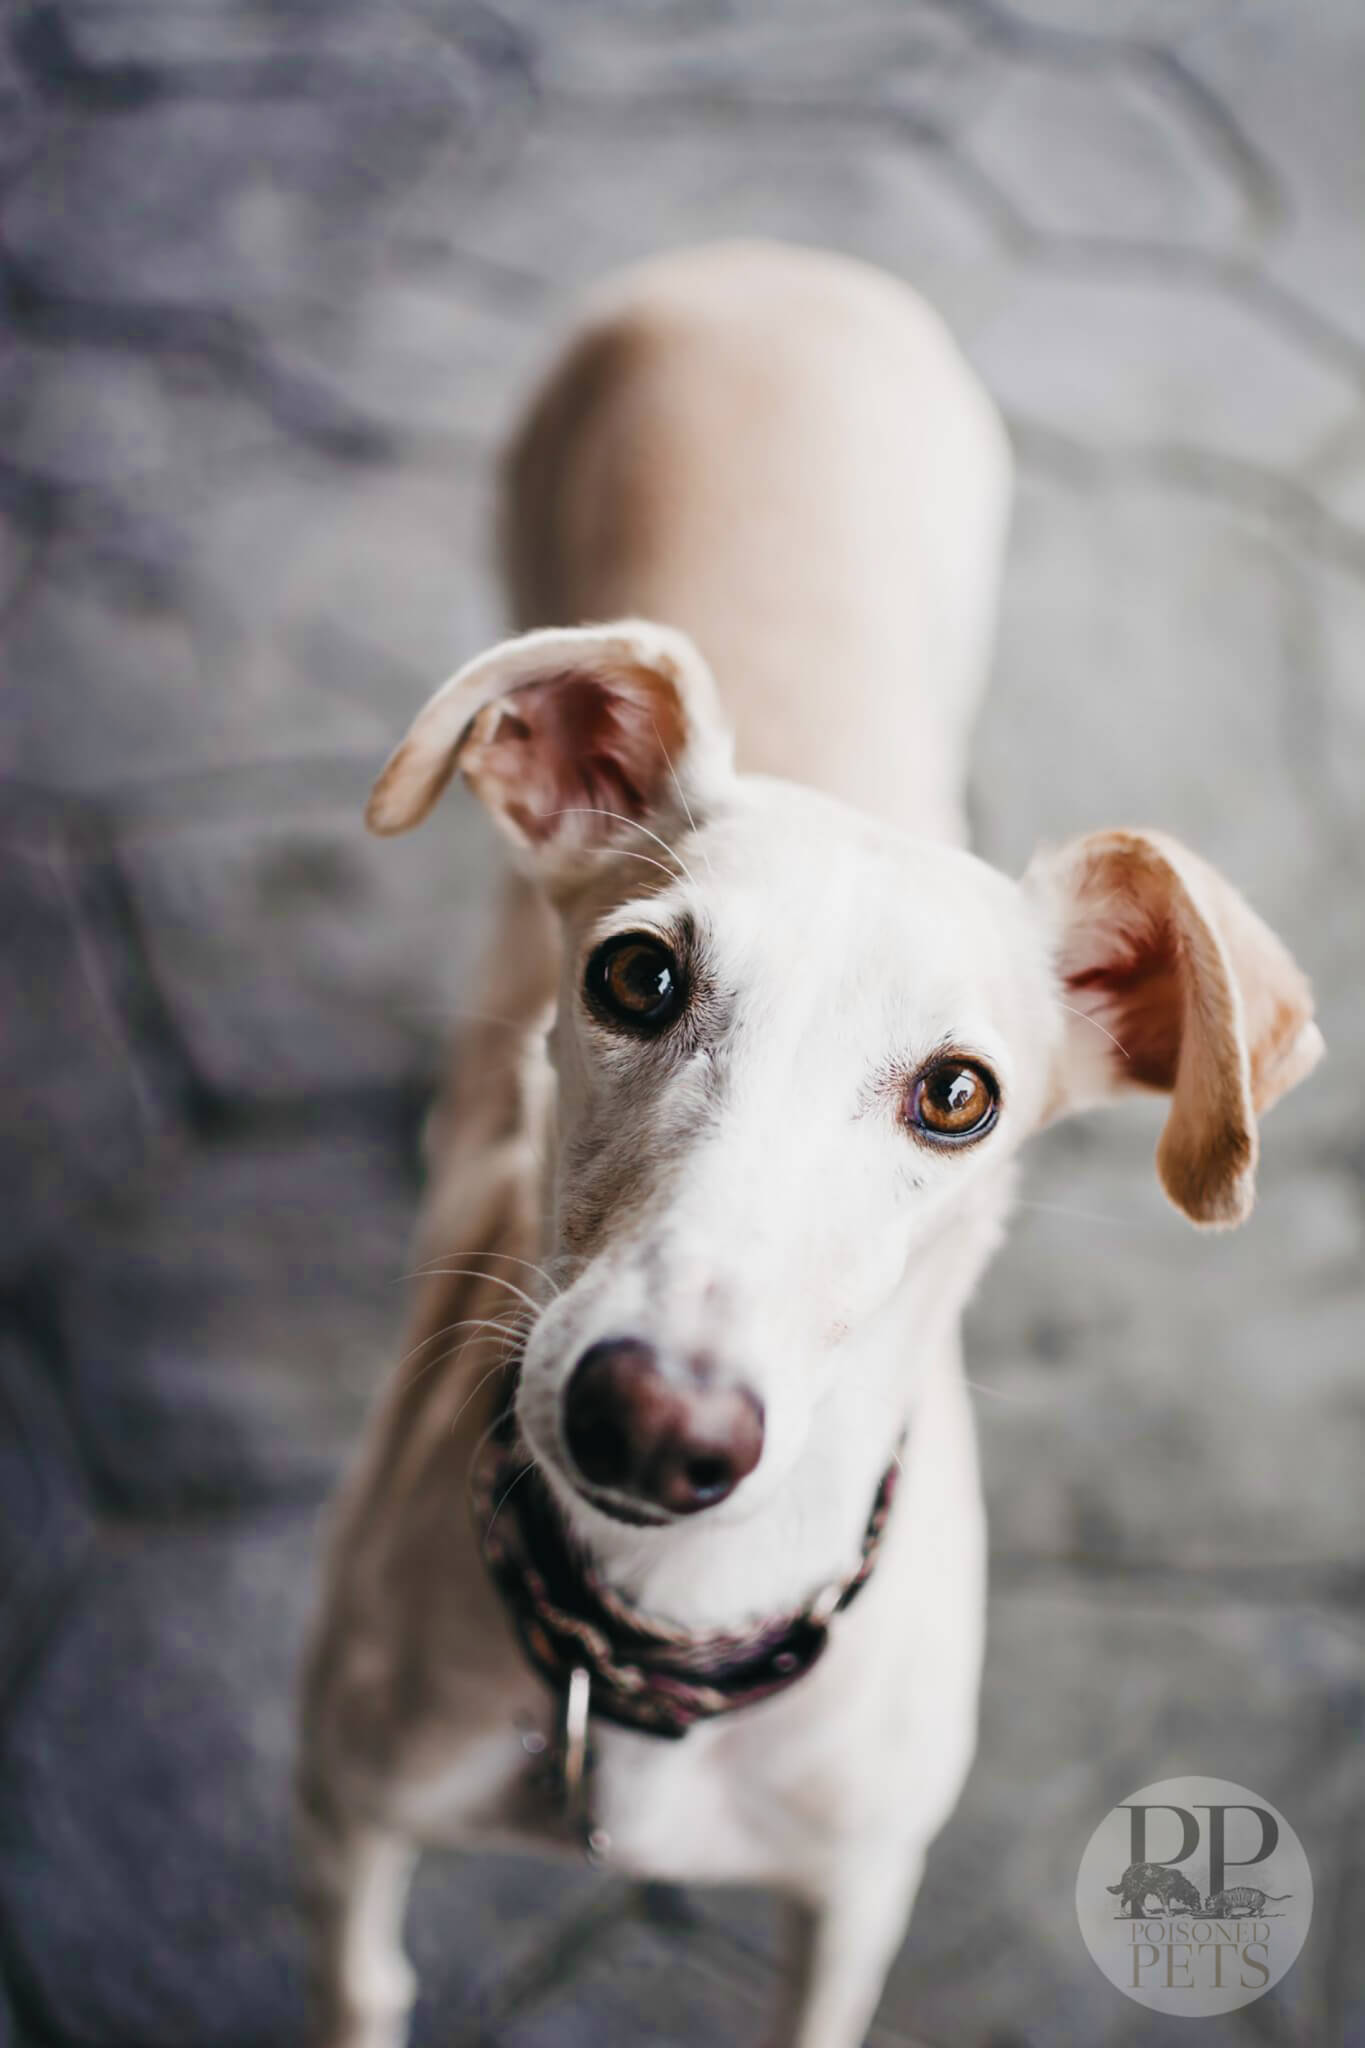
714, 1573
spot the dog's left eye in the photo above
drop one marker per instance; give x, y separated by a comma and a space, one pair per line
637, 981
952, 1101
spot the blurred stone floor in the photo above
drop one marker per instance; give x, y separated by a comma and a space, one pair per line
271, 280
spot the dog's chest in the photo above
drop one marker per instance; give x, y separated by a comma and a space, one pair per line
749, 1799
736, 1802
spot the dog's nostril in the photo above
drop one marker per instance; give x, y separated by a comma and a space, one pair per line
708, 1478
601, 1449
602, 1409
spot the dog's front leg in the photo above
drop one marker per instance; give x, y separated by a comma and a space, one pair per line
845, 1946
374, 1984
355, 1896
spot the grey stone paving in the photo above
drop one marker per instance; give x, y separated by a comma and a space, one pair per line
271, 281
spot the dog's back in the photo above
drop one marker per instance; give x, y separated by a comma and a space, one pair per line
783, 453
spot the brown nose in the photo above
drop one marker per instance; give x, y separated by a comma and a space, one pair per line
667, 1439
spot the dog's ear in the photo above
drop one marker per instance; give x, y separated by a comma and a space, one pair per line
1170, 980
572, 739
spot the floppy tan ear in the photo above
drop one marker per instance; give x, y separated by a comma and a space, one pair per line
1170, 980
571, 738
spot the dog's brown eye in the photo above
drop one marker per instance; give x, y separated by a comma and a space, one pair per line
952, 1101
637, 981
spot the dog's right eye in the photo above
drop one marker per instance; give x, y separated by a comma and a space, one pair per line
953, 1101
635, 980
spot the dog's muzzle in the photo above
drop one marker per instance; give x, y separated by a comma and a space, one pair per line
642, 1671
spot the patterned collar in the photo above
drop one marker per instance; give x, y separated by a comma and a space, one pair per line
645, 1674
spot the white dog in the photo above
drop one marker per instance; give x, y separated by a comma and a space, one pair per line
730, 1140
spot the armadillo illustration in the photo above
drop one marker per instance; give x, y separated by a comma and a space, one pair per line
1242, 1899
1141, 1879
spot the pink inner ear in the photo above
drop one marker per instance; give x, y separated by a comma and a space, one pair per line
574, 743
1122, 965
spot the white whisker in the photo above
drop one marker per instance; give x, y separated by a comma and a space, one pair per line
506, 1496
437, 1265
590, 811
498, 1366
1086, 1018
1002, 1393
505, 1325
472, 1273
496, 1423
682, 794
510, 1341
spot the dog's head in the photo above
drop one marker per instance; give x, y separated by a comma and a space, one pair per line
796, 1052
